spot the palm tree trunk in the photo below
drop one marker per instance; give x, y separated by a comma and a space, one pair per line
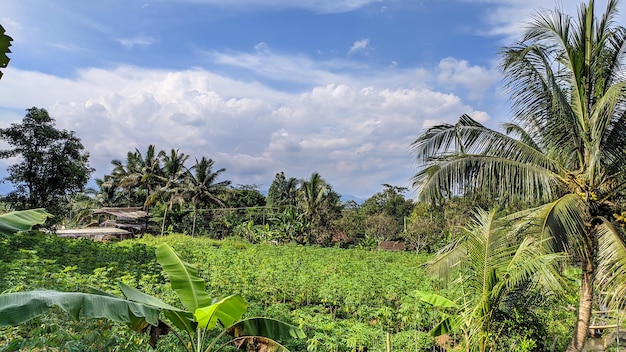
584, 307
163, 223
195, 216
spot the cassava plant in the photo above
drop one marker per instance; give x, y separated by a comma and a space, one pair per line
205, 324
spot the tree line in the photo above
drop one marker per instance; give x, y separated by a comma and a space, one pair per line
548, 189
192, 196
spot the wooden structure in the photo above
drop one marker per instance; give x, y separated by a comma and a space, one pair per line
112, 223
95, 233
130, 219
605, 332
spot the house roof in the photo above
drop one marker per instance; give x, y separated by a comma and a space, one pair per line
123, 213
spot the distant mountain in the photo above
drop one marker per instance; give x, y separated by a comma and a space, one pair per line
347, 197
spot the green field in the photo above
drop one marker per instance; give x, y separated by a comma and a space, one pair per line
344, 299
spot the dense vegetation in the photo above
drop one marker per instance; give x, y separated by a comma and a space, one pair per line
501, 278
564, 152
345, 300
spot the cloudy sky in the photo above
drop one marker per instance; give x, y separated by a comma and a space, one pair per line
341, 87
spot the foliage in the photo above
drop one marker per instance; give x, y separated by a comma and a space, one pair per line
425, 228
492, 267
282, 192
141, 311
5, 44
565, 149
343, 298
386, 213
53, 163
24, 220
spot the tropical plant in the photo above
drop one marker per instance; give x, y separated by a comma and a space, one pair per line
200, 318
22, 220
5, 43
202, 187
492, 264
319, 203
173, 187
568, 86
283, 192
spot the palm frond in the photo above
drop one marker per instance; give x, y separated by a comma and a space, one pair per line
499, 178
563, 224
611, 274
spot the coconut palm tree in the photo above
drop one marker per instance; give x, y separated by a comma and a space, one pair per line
202, 187
318, 202
566, 147
149, 171
172, 181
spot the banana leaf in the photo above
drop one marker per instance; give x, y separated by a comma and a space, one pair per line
19, 307
184, 279
445, 326
260, 334
436, 300
24, 220
180, 318
271, 328
227, 311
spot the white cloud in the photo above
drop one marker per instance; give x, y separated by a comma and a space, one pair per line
355, 135
500, 13
362, 46
476, 80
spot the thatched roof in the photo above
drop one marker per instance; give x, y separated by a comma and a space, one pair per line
123, 213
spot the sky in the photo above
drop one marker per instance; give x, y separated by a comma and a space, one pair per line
339, 87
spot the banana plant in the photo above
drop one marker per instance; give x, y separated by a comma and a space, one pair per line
23, 220
200, 321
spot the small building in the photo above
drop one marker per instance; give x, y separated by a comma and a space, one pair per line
118, 223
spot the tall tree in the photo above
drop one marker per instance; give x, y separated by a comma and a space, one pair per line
148, 171
282, 193
173, 186
202, 187
568, 87
319, 205
53, 164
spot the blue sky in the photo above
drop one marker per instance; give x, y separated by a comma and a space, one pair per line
341, 87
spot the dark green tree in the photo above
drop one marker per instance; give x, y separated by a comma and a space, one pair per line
282, 192
53, 163
202, 188
389, 205
320, 207
244, 196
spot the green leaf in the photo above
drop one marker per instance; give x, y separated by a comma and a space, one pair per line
445, 326
227, 311
266, 327
436, 300
24, 220
184, 279
180, 318
17, 308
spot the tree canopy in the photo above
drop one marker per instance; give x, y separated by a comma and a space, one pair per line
53, 163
